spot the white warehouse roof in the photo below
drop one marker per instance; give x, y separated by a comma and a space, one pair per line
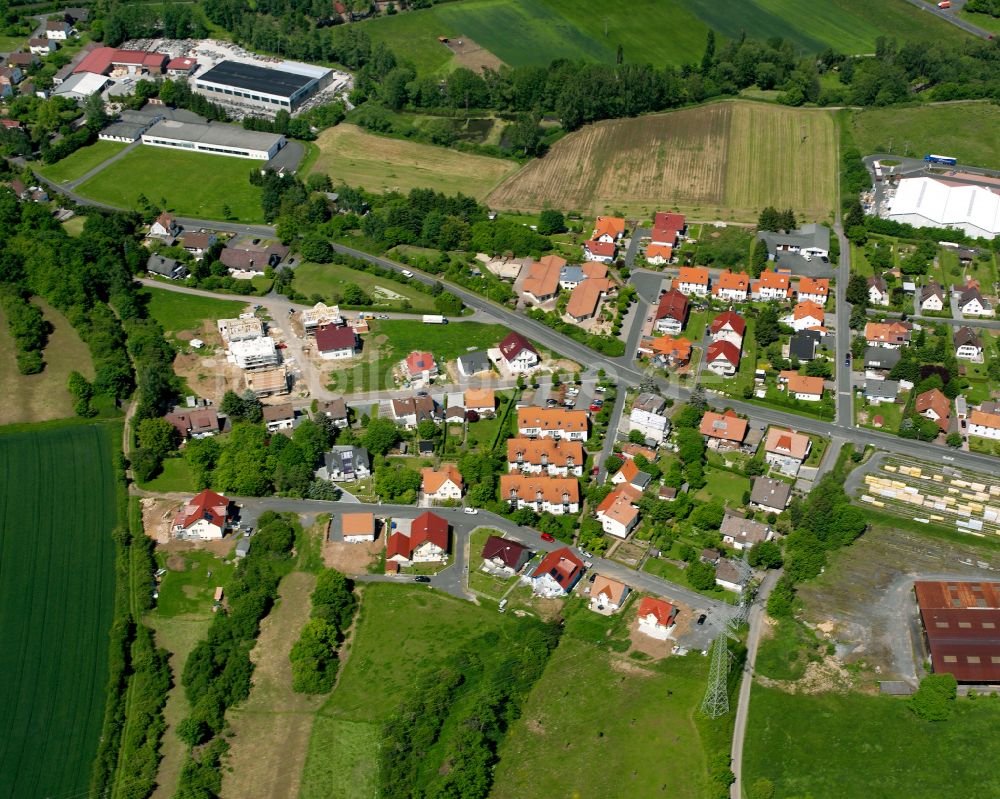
931, 202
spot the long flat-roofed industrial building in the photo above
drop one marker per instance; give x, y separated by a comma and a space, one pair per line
284, 86
962, 628
218, 139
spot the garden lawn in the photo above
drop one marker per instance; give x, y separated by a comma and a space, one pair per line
57, 511
175, 476
177, 312
479, 580
835, 745
78, 164
891, 413
727, 487
401, 632
447, 342
188, 184
668, 571
329, 279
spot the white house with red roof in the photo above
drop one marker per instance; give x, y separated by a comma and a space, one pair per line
164, 226
772, 287
608, 229
556, 575
671, 312
806, 315
335, 342
519, 354
731, 286
723, 358
816, 289
693, 280
656, 618
599, 251
424, 540
617, 513
205, 517
420, 365
728, 326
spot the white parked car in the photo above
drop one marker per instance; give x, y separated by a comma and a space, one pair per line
406, 272
471, 511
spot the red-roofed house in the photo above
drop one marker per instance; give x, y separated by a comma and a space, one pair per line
806, 315
692, 280
731, 286
723, 428
104, 60
607, 596
616, 513
772, 286
181, 67
164, 226
659, 253
441, 484
728, 326
670, 351
504, 555
542, 282
671, 313
815, 289
786, 449
556, 575
542, 494
205, 517
723, 358
518, 353
934, 405
586, 298
656, 618
334, 342
426, 542
802, 387
421, 364
609, 229
599, 251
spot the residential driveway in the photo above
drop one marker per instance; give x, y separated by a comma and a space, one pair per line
633, 244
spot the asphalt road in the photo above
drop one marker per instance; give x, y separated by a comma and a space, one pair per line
951, 15
844, 399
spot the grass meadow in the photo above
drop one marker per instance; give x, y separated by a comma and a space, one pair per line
723, 160
189, 184
380, 164
57, 510
832, 745
328, 279
966, 131
176, 311
42, 397
76, 165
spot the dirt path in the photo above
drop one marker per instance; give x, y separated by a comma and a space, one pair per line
271, 729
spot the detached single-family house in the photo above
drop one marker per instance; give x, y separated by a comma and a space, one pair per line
892, 335
727, 575
556, 575
411, 411
723, 358
728, 326
554, 457
42, 46
420, 365
358, 528
802, 387
878, 291
984, 424
812, 289
535, 422
770, 495
881, 359
649, 416
878, 392
58, 29
334, 343
504, 556
542, 281
692, 281
803, 345
617, 513
599, 251
609, 229
671, 312
741, 533
968, 345
659, 253
164, 227
731, 286
932, 297
481, 400
807, 242
441, 484
472, 363
540, 493
279, 417
195, 422
336, 411
586, 298
204, 517
630, 474
656, 618
426, 541
518, 353
606, 595
344, 463
668, 351
934, 405
772, 287
972, 303
786, 449
197, 243
723, 430
166, 267
806, 315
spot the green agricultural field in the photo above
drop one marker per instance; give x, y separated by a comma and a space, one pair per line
834, 745
984, 21
966, 131
401, 632
329, 279
78, 164
191, 184
177, 312
57, 511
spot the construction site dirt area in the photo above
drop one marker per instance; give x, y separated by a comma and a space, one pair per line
863, 602
472, 56
351, 559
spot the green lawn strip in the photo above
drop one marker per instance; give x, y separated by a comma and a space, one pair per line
192, 184
694, 331
668, 571
723, 486
984, 21
329, 279
786, 651
831, 745
446, 342
819, 445
58, 596
178, 312
891, 413
78, 164
175, 476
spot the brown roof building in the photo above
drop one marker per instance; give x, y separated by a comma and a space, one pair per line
962, 628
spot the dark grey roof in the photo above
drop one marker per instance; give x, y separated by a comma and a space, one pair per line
425, 447
770, 492
932, 290
641, 479
971, 294
473, 362
651, 403
884, 389
124, 130
346, 459
243, 546
255, 78
168, 267
882, 357
811, 235
803, 345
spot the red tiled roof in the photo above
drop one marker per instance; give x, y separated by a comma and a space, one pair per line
207, 505
730, 319
669, 219
727, 426
543, 276
610, 226
529, 487
603, 249
664, 251
417, 362
663, 611
334, 337
819, 286
433, 478
584, 299
693, 274
509, 552
429, 527
673, 304
731, 281
551, 418
513, 344
803, 384
557, 452
723, 349
102, 59
936, 401
562, 565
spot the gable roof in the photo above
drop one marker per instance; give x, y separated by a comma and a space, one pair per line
433, 479
418, 361
888, 332
561, 565
807, 309
507, 551
770, 492
664, 251
747, 531
984, 419
803, 345
473, 362
330, 338
420, 407
881, 358
729, 319
803, 384
543, 276
697, 275
673, 304
207, 505
814, 285
558, 452
787, 442
429, 527
934, 400
932, 289
731, 281
513, 344
723, 349
972, 294
531, 487
882, 389
727, 426
609, 226
618, 506
878, 282
604, 249
278, 413
676, 347
551, 418
967, 336
612, 590
584, 299
659, 609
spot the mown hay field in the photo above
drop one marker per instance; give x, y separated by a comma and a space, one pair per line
57, 510
377, 163
720, 161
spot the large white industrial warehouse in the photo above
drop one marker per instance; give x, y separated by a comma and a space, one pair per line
936, 202
216, 138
